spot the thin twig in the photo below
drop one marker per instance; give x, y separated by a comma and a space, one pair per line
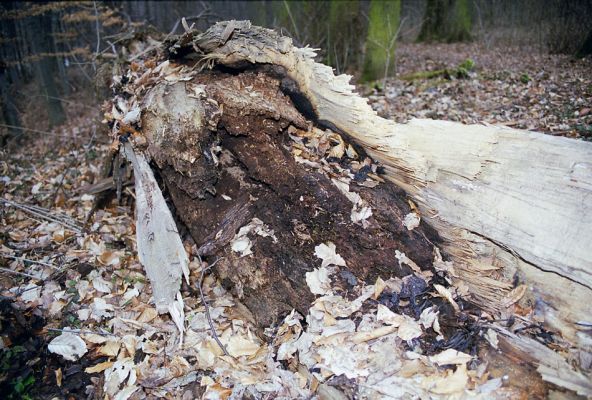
292, 19
80, 332
63, 100
45, 214
30, 261
43, 132
19, 273
98, 34
205, 303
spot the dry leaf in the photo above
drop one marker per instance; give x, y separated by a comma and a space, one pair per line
403, 259
429, 319
360, 214
110, 349
411, 221
147, 315
327, 253
94, 338
318, 281
100, 367
409, 329
491, 337
384, 314
444, 292
378, 287
239, 346
450, 356
449, 384
514, 296
361, 337
68, 345
59, 376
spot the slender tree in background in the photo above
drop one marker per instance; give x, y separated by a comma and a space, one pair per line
383, 27
46, 67
346, 33
446, 21
9, 76
586, 48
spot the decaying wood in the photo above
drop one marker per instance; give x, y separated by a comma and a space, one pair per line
510, 206
160, 249
225, 157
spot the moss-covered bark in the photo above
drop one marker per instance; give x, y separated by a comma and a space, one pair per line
346, 33
446, 21
380, 42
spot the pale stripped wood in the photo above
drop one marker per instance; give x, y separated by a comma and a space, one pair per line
160, 249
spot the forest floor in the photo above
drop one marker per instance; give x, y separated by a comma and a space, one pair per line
56, 276
516, 87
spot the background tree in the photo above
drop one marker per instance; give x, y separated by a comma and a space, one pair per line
383, 28
46, 67
446, 21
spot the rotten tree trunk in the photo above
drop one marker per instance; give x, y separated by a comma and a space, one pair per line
226, 158
509, 205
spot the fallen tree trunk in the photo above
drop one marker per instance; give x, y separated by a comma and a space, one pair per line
243, 158
509, 204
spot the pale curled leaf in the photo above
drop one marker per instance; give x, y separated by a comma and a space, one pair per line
360, 214
100, 367
408, 328
68, 345
450, 356
444, 292
327, 252
240, 346
429, 319
411, 221
452, 383
318, 281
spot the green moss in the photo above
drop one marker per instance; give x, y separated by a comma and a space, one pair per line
460, 72
380, 41
524, 78
467, 64
461, 23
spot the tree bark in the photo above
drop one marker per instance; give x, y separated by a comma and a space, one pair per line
383, 28
238, 169
446, 21
46, 67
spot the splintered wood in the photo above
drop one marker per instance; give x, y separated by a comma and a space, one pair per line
160, 248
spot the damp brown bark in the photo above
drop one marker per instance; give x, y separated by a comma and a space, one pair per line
221, 145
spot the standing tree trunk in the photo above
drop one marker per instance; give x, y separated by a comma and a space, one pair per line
383, 27
446, 21
9, 112
586, 48
46, 67
9, 74
346, 31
